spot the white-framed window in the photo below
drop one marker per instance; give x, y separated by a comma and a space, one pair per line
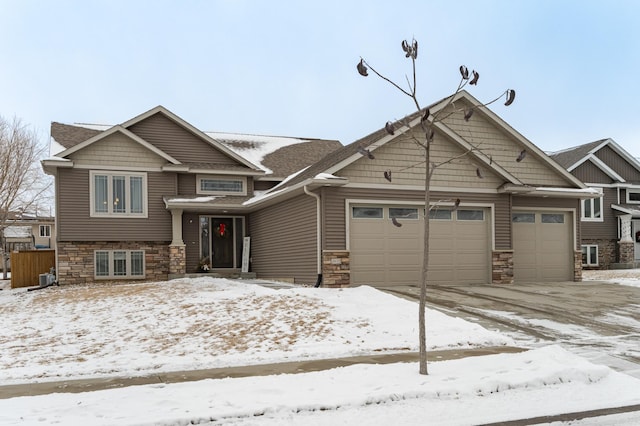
592, 210
45, 230
110, 264
633, 196
221, 185
118, 194
589, 255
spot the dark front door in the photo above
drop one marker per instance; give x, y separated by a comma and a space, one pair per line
222, 242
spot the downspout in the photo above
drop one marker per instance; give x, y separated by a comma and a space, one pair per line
318, 236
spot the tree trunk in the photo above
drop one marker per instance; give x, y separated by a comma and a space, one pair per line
425, 265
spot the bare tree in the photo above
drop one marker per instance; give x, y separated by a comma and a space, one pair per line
423, 136
23, 185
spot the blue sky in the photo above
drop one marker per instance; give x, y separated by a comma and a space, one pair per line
288, 67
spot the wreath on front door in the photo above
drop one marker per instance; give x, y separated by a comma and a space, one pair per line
221, 231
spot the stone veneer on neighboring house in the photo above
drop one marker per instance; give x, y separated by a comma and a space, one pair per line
76, 260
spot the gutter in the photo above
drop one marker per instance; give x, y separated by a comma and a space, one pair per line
318, 235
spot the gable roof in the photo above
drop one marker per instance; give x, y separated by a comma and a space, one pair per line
271, 157
118, 129
341, 158
573, 157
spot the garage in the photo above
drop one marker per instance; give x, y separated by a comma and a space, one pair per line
542, 246
383, 254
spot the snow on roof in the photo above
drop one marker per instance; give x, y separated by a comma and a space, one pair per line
254, 147
55, 147
193, 199
17, 232
100, 127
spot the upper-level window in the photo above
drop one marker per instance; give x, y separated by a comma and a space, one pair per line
633, 196
45, 230
221, 185
592, 209
118, 194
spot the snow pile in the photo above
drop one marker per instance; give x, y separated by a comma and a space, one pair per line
468, 391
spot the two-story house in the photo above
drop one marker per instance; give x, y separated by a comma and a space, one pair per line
155, 197
610, 222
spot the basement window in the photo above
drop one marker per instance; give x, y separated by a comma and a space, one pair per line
589, 255
111, 264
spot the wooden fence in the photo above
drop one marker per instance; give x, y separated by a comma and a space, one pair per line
26, 266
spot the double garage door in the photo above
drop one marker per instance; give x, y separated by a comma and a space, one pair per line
383, 254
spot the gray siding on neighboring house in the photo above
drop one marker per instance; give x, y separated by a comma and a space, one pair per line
283, 240
619, 164
608, 228
177, 141
334, 213
75, 223
589, 173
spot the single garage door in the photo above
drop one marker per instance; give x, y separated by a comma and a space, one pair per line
383, 254
542, 246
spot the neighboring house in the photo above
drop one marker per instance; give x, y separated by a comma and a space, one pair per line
610, 223
29, 232
40, 231
155, 197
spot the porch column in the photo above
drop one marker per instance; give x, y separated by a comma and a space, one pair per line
625, 228
626, 244
177, 248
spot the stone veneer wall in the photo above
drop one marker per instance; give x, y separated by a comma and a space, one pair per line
626, 252
606, 252
502, 267
577, 266
177, 259
336, 269
76, 260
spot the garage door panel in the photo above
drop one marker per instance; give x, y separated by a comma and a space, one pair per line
543, 251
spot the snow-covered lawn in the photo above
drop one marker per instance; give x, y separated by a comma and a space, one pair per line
140, 329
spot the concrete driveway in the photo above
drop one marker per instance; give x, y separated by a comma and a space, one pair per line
597, 320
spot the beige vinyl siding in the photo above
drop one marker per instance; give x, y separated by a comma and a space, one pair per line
590, 173
608, 228
283, 240
74, 223
178, 142
503, 148
619, 164
334, 226
117, 149
405, 159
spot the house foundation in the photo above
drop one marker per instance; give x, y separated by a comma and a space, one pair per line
76, 259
